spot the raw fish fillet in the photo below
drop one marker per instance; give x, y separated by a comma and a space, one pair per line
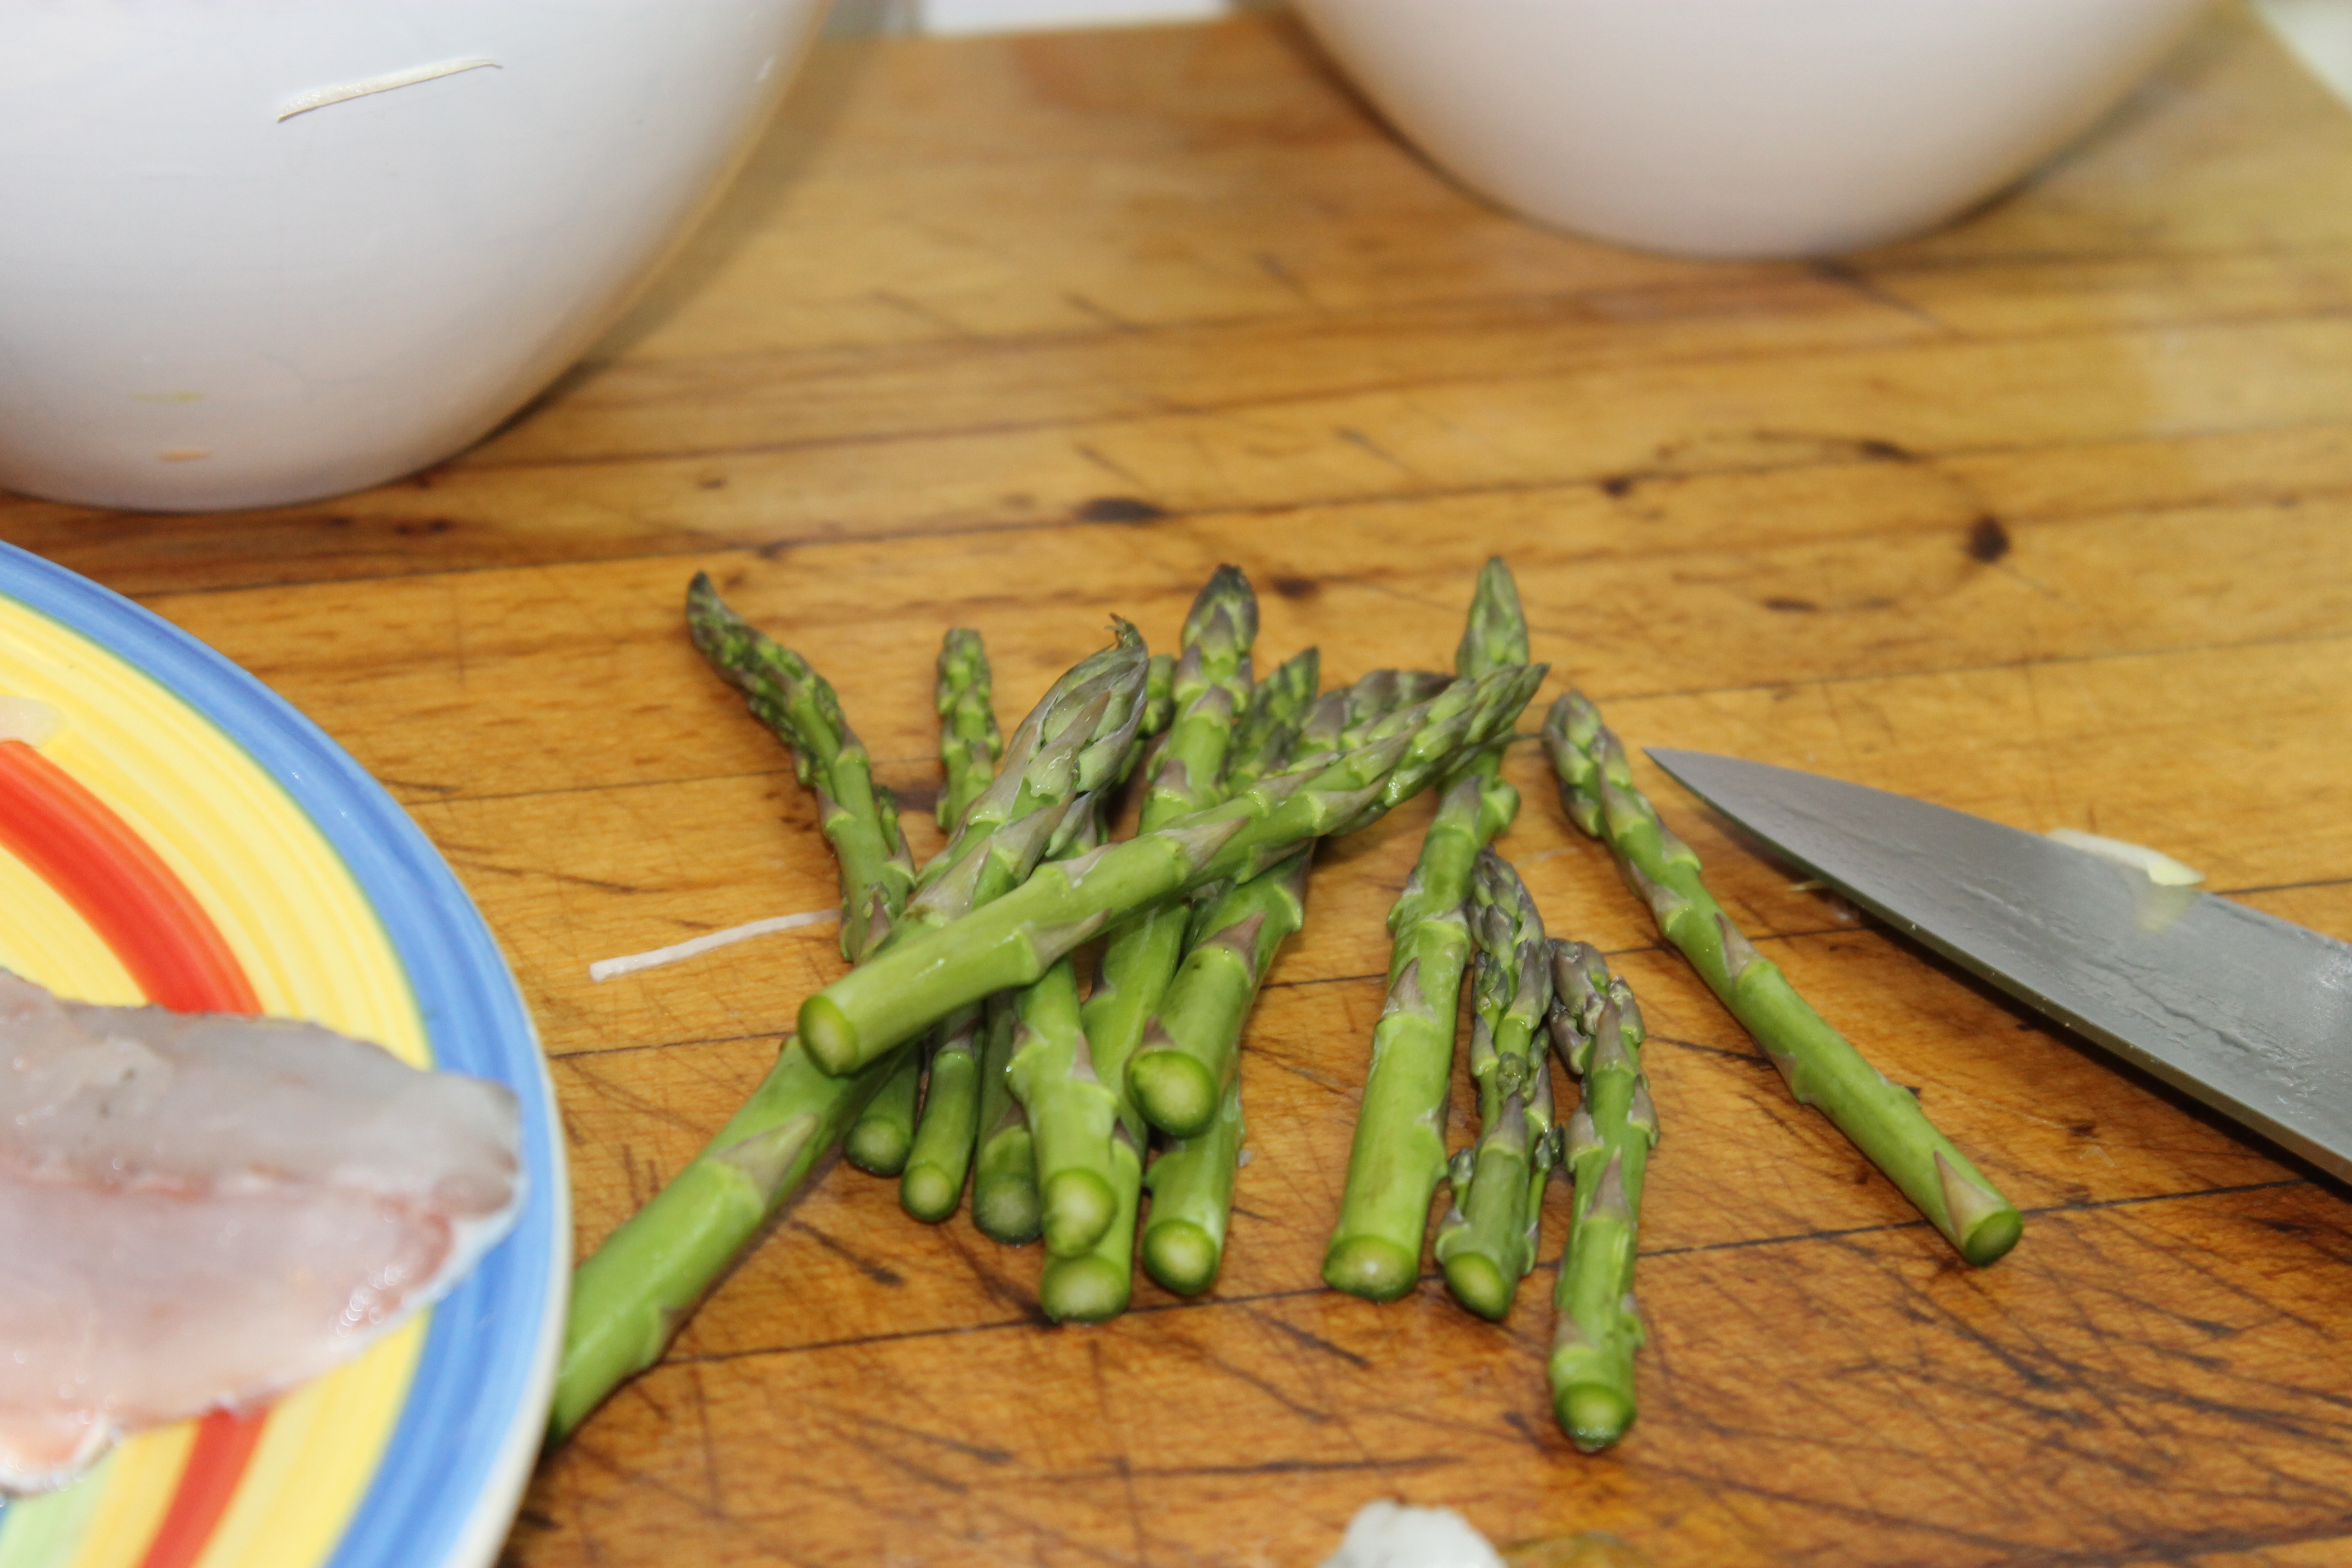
198, 1211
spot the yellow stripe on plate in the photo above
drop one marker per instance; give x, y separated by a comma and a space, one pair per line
139, 1479
313, 948
313, 1465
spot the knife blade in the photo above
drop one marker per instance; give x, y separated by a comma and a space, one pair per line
2247, 1012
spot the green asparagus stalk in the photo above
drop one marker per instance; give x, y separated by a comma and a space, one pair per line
1199, 1029
1014, 940
969, 741
857, 815
1128, 987
1051, 1076
1820, 1067
940, 1152
945, 1135
1074, 1101
1398, 1156
1192, 1201
636, 1288
884, 1133
1486, 1242
1173, 1084
1189, 1049
631, 1295
1094, 1287
1596, 1029
1005, 1174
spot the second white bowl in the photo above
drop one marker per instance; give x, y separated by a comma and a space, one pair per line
1744, 127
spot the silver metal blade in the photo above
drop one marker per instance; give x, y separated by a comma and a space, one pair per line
2250, 1014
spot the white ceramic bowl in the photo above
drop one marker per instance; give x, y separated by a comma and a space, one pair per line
239, 264
1744, 127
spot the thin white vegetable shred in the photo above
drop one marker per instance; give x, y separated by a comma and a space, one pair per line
605, 969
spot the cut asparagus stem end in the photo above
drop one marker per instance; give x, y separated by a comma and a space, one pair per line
1478, 1285
1005, 1190
1173, 1091
1371, 1267
1991, 1237
930, 1194
1593, 1415
1180, 1256
1080, 1206
878, 1146
1083, 1289
827, 1036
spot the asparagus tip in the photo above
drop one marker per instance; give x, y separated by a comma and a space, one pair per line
1479, 1285
1173, 1091
1593, 1415
1371, 1267
1087, 1289
1180, 1256
1080, 1206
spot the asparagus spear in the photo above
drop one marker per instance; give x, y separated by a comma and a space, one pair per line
940, 1152
857, 815
1596, 1028
1192, 1201
1199, 1026
1005, 1176
880, 1139
969, 741
1095, 1285
1176, 1082
1073, 1098
630, 1296
1069, 1128
1398, 1156
1486, 1243
1819, 1065
1011, 942
933, 1184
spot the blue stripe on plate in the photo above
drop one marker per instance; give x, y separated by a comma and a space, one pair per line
476, 1372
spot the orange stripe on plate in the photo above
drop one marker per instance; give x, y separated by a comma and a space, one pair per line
180, 960
78, 846
225, 1442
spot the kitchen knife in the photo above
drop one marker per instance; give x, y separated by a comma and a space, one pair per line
2248, 1013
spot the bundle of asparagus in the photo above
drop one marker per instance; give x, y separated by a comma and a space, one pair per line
634, 1290
963, 1044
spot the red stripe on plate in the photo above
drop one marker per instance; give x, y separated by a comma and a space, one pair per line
73, 841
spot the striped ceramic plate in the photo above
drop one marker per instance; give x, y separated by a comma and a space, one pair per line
251, 841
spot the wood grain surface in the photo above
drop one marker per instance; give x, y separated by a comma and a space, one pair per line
2047, 516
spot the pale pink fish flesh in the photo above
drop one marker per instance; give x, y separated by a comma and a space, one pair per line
198, 1212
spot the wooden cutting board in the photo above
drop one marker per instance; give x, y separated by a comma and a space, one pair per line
2047, 516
